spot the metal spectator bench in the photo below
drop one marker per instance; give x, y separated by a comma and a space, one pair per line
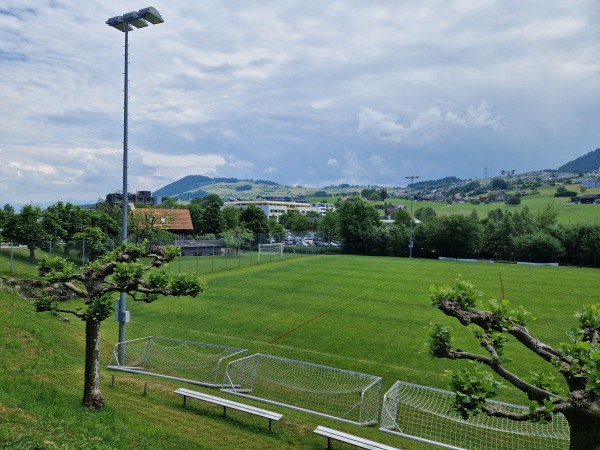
350, 439
226, 403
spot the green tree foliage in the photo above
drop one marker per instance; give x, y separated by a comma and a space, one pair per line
367, 192
237, 237
374, 196
254, 219
109, 225
496, 215
6, 211
62, 221
401, 216
581, 242
514, 199
455, 236
196, 215
296, 223
425, 213
538, 247
231, 216
399, 236
91, 243
26, 228
577, 361
358, 223
275, 228
313, 219
169, 202
136, 269
212, 221
207, 200
562, 191
328, 226
498, 184
546, 218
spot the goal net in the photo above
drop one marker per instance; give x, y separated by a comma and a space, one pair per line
268, 252
324, 391
192, 362
425, 414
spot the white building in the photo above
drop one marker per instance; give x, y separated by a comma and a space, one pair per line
272, 208
322, 208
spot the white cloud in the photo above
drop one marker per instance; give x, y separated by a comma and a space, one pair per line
270, 170
424, 126
279, 84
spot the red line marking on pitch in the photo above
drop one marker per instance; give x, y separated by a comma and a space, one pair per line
299, 326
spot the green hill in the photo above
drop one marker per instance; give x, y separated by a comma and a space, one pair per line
583, 164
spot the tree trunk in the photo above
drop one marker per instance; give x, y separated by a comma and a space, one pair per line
92, 397
31, 254
584, 430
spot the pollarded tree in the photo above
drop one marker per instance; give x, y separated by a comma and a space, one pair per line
132, 268
577, 361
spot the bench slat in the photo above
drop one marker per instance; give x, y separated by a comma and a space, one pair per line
225, 403
330, 433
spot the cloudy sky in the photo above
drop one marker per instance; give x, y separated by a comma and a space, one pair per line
307, 92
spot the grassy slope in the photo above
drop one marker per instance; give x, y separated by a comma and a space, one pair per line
378, 309
41, 361
536, 202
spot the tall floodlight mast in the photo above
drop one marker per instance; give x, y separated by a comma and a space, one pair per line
138, 19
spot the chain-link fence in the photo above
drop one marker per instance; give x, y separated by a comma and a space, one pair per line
199, 255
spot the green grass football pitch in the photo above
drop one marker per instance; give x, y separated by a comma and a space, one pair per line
365, 314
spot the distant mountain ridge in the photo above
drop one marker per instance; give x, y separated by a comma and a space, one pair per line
192, 186
583, 164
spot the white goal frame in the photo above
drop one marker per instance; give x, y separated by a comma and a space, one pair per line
192, 362
426, 415
270, 250
324, 391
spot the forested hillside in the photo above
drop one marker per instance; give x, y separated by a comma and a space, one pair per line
583, 164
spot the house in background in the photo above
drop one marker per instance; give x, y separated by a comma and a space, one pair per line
175, 221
